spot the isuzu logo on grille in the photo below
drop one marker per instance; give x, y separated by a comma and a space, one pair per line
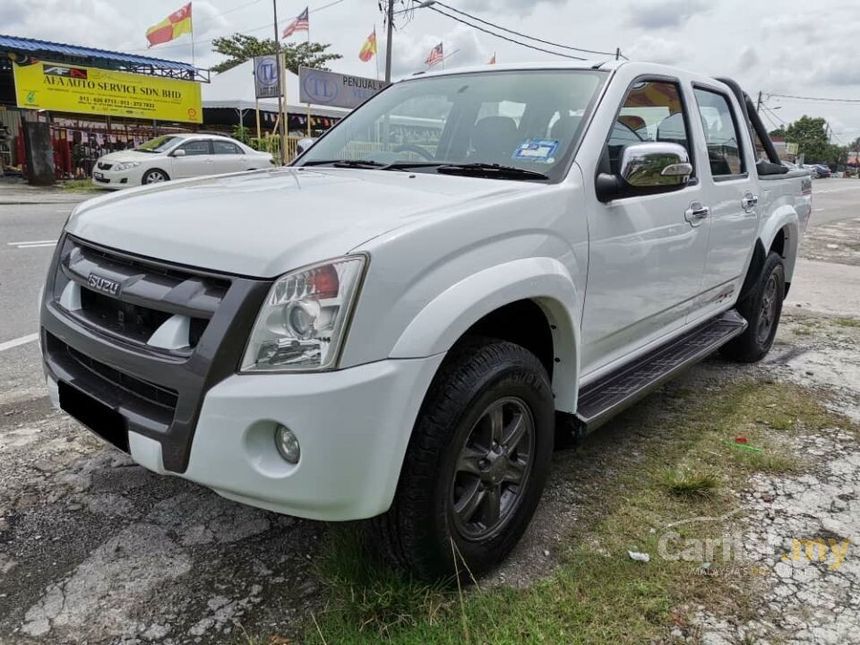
105, 285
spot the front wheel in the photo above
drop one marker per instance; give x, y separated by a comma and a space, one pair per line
762, 309
476, 464
154, 176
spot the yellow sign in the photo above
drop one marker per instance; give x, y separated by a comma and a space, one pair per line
88, 90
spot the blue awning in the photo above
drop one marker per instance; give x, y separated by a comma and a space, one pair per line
99, 57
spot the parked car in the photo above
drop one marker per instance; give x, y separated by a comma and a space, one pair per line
812, 169
177, 156
823, 171
399, 330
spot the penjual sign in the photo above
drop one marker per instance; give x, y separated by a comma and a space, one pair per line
336, 90
89, 90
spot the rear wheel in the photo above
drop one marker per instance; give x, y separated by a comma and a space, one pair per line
762, 309
154, 176
476, 464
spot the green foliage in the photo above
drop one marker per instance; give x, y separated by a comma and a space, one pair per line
813, 142
240, 47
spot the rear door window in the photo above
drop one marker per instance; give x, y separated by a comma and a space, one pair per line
721, 133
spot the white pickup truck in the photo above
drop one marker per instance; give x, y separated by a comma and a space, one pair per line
399, 325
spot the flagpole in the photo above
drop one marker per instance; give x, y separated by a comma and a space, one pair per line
193, 59
376, 53
309, 105
282, 88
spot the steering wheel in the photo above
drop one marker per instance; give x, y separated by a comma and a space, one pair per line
421, 152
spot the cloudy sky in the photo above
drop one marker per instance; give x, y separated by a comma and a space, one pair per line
794, 47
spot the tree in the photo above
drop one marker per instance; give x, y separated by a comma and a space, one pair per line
778, 133
810, 135
239, 47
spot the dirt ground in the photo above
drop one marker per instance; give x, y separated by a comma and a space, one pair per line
94, 549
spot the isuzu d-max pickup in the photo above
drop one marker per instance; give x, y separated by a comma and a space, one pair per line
399, 325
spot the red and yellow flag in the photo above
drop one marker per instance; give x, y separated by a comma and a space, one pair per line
368, 49
172, 27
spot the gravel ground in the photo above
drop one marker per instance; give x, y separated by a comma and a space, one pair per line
96, 550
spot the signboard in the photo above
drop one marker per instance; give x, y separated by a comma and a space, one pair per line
266, 77
792, 148
88, 90
336, 90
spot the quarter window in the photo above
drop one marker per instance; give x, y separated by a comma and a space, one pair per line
721, 133
652, 111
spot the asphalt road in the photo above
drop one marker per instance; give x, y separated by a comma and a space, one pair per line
101, 551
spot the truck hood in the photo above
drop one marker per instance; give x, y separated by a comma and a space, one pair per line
265, 223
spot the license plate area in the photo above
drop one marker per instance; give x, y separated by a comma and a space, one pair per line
107, 423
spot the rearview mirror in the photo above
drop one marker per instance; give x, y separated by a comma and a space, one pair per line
179, 152
647, 168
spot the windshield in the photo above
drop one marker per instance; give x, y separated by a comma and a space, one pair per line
529, 120
159, 144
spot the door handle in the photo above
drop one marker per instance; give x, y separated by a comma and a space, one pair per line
697, 213
749, 202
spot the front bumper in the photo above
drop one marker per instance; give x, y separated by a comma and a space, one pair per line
353, 426
116, 179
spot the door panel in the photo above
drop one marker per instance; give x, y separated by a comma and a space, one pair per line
228, 157
731, 195
197, 160
645, 258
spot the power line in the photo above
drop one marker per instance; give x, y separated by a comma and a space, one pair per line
813, 98
500, 36
522, 35
773, 114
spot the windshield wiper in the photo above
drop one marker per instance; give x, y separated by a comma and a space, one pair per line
345, 163
491, 170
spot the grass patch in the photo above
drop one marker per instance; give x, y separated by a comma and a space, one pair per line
848, 322
654, 476
79, 186
688, 483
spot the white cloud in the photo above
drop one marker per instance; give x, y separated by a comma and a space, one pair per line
659, 14
655, 49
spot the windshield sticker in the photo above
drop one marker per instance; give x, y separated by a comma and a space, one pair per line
537, 151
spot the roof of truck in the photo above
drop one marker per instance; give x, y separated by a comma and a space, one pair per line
606, 64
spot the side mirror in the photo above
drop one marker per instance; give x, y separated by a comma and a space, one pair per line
647, 168
303, 144
179, 152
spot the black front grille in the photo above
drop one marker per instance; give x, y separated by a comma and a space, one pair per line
144, 294
117, 383
149, 392
121, 318
105, 166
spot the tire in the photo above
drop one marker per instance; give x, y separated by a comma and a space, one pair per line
154, 176
762, 309
450, 463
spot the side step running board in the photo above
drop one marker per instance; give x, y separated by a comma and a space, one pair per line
612, 393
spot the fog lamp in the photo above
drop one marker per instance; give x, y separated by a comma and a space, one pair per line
287, 444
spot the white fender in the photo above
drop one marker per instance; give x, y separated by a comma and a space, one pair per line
784, 216
545, 281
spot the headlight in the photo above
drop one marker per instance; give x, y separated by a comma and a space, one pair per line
302, 323
126, 165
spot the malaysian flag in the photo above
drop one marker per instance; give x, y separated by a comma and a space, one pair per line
302, 23
436, 55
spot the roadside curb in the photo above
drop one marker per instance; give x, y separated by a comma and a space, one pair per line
42, 203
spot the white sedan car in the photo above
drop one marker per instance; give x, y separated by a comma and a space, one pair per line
177, 156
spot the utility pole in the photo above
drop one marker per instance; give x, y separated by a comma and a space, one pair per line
389, 39
758, 103
282, 117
